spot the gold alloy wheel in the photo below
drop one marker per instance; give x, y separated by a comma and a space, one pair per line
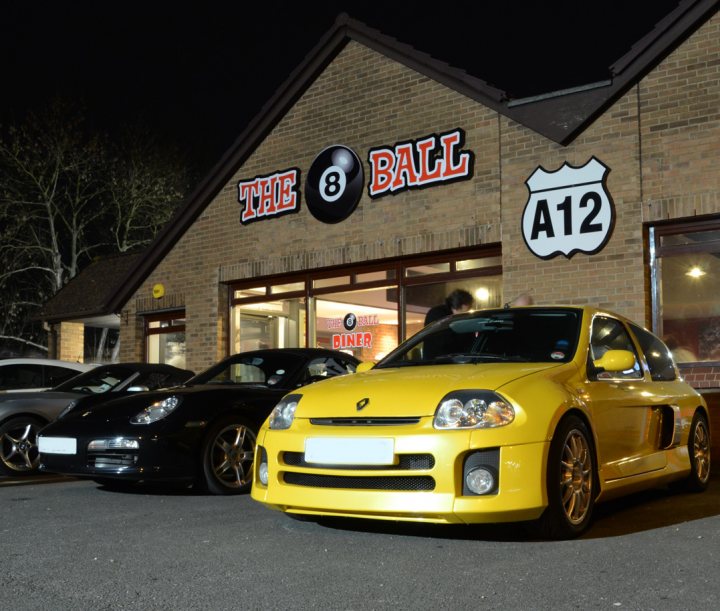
232, 455
576, 475
701, 451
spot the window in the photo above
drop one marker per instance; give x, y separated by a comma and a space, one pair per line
658, 356
610, 334
365, 310
21, 376
267, 324
685, 274
165, 338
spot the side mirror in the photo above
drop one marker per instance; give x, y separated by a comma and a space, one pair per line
615, 360
364, 366
138, 389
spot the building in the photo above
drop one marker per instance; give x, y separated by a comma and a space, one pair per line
378, 179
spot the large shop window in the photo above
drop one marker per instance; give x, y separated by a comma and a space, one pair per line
685, 273
363, 310
165, 338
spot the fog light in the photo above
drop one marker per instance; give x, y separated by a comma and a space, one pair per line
480, 480
263, 473
118, 443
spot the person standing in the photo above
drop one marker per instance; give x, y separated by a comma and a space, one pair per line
457, 301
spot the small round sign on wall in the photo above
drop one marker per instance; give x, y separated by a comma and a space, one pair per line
158, 291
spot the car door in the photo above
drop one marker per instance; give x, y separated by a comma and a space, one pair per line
625, 413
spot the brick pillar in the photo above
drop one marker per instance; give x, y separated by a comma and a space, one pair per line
70, 344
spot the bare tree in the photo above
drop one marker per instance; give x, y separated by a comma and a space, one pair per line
146, 181
68, 193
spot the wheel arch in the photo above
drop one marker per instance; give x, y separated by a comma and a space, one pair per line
24, 414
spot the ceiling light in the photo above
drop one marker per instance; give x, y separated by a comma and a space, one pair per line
695, 272
482, 294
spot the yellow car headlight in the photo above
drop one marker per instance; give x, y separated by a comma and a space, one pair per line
283, 413
473, 409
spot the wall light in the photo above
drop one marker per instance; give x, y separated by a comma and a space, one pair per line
695, 272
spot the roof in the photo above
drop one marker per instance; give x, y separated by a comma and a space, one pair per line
559, 116
93, 291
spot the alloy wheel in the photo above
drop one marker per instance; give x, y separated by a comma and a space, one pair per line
576, 477
232, 455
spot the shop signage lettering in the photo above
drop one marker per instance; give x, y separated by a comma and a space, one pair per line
416, 164
371, 320
359, 339
269, 196
569, 210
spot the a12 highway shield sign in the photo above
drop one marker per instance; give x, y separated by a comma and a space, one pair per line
568, 211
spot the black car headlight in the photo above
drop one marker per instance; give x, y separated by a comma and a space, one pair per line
283, 414
156, 411
473, 409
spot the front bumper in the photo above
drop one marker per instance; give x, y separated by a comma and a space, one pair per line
425, 484
158, 457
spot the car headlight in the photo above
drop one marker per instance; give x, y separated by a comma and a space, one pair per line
284, 412
156, 411
473, 409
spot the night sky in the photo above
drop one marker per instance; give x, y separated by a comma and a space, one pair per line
199, 72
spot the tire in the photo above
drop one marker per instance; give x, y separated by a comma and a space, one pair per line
227, 457
18, 446
699, 454
570, 481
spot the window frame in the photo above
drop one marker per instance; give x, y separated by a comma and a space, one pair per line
398, 265
654, 234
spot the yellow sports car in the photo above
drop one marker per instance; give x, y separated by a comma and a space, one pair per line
515, 414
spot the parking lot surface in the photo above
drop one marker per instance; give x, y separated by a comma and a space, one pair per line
69, 544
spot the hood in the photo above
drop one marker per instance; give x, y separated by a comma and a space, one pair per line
47, 404
121, 408
406, 391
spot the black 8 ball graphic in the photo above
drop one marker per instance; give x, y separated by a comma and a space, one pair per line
350, 322
334, 184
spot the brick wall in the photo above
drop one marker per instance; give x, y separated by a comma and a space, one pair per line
659, 140
71, 341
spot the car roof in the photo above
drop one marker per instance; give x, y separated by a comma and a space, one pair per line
42, 361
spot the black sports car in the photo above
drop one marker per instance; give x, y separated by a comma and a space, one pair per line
23, 414
201, 433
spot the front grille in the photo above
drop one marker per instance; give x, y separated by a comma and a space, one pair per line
406, 462
399, 482
111, 461
364, 421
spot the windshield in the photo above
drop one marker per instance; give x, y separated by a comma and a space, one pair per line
543, 335
98, 380
269, 369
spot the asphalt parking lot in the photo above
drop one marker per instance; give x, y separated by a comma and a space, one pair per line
69, 544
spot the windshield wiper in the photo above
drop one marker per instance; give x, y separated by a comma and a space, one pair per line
403, 364
475, 357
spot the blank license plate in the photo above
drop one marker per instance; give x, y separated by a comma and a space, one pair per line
57, 445
349, 451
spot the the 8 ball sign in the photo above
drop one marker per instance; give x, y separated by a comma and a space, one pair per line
334, 184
